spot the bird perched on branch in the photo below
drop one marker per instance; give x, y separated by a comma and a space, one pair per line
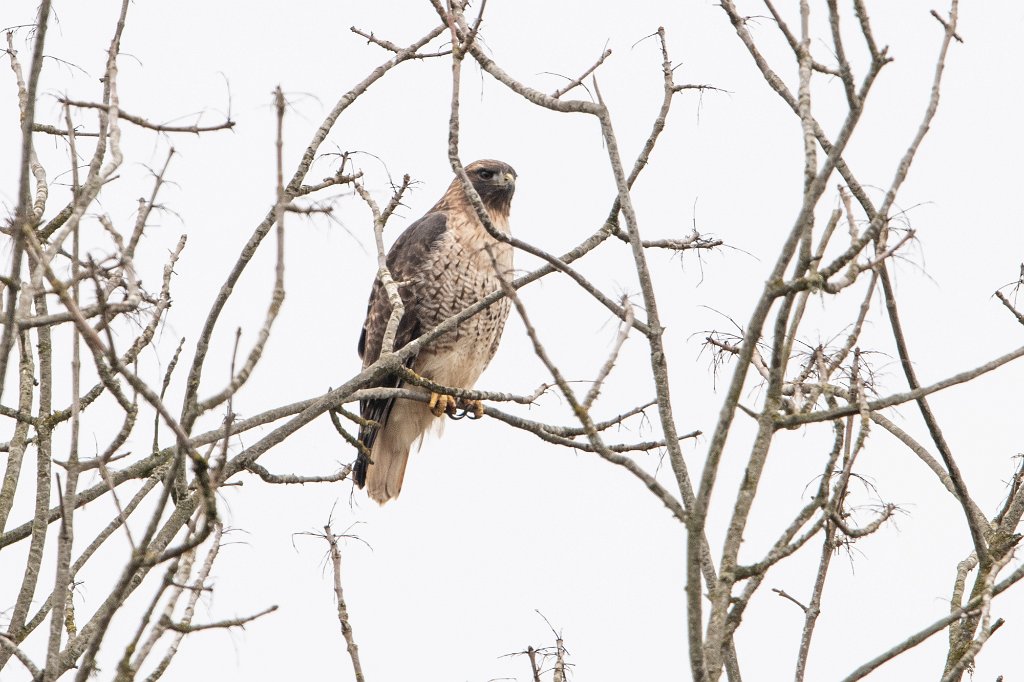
443, 263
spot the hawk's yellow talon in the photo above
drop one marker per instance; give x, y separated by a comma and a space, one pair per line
440, 404
474, 407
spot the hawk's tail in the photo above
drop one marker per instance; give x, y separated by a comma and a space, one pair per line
384, 470
376, 412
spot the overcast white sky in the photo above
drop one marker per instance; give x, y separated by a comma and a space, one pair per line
493, 525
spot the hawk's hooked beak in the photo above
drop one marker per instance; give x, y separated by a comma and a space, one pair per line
507, 179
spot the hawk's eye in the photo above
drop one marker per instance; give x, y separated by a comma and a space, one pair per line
485, 174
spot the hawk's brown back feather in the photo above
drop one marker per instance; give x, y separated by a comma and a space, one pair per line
406, 260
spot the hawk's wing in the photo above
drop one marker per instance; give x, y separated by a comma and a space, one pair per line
409, 263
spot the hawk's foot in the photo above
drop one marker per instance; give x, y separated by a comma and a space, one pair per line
441, 403
474, 409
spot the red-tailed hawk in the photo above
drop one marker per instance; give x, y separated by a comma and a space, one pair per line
443, 263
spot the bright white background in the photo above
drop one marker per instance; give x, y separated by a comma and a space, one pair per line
492, 524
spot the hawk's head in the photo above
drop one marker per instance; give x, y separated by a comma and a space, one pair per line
495, 182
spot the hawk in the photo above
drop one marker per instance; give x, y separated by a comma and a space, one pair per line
443, 263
